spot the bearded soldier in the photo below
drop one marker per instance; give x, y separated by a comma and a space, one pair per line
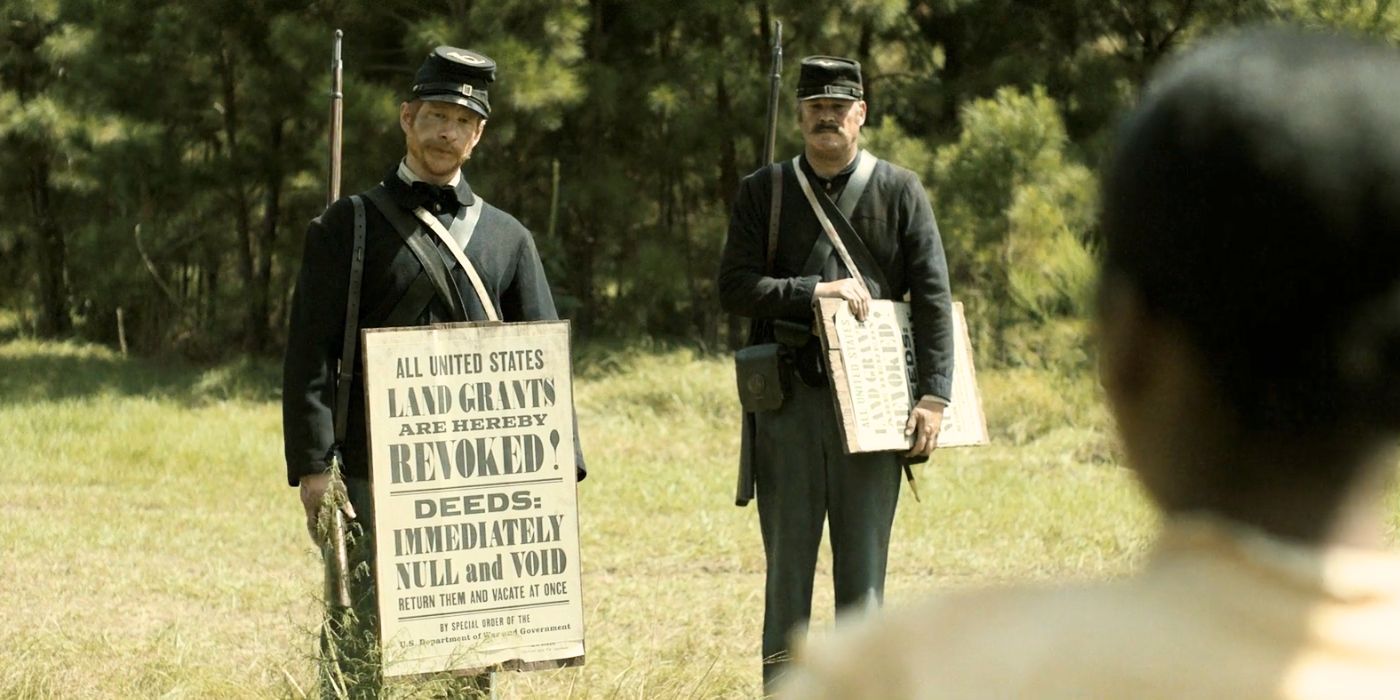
1249, 349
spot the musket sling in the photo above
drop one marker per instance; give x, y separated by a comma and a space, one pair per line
346, 367
406, 310
844, 207
409, 306
424, 249
456, 243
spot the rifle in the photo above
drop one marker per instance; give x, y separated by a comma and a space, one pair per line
744, 491
334, 550
331, 518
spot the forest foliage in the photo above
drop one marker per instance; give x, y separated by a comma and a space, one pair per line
161, 160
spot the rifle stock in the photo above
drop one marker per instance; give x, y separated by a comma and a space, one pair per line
334, 551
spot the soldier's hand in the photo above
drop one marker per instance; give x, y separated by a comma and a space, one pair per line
314, 489
924, 422
849, 289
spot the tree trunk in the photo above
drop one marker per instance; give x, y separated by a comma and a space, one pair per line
25, 73
261, 312
244, 229
727, 184
51, 249
863, 49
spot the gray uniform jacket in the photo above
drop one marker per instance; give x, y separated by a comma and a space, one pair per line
504, 254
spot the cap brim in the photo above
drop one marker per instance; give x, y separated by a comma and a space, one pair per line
830, 97
471, 104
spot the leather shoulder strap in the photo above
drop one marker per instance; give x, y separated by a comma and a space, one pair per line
855, 187
846, 207
423, 249
408, 308
459, 253
775, 212
850, 197
352, 323
844, 238
821, 248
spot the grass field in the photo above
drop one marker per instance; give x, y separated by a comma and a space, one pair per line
151, 548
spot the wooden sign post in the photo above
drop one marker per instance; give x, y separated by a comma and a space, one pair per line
471, 432
873, 375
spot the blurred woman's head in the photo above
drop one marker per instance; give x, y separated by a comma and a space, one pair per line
1250, 295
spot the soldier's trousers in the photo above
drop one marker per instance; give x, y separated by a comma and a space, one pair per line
804, 476
350, 664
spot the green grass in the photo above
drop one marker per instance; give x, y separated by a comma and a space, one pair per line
152, 549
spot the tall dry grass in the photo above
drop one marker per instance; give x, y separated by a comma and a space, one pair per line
152, 549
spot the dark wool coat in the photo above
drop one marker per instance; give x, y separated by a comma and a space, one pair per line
503, 252
892, 217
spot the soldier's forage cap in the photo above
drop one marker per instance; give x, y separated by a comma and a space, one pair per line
829, 76
459, 76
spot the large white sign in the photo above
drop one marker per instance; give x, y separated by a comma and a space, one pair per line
873, 375
471, 431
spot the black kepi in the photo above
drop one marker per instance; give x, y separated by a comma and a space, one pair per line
831, 77
459, 76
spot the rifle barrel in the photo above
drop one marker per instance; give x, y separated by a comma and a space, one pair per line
775, 86
337, 98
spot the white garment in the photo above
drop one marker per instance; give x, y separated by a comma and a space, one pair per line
1218, 612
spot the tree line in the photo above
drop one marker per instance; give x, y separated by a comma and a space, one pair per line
161, 160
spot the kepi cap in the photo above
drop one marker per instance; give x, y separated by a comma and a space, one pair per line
831, 77
459, 76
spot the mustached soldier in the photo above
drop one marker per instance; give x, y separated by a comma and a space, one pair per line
1249, 347
801, 472
409, 278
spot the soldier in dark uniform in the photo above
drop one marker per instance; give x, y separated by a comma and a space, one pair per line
442, 122
801, 472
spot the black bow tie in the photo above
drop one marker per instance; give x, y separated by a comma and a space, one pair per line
434, 198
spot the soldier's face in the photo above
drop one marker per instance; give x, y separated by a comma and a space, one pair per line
830, 125
440, 137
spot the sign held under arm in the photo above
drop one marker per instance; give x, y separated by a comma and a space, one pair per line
873, 374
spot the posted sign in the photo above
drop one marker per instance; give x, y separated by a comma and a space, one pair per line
873, 374
471, 432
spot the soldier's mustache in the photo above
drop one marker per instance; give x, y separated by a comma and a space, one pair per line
822, 128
